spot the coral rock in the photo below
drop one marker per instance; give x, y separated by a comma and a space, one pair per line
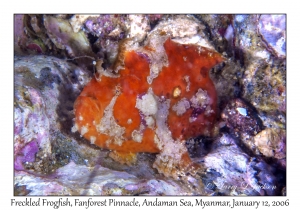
243, 122
241, 118
272, 143
41, 115
231, 171
273, 31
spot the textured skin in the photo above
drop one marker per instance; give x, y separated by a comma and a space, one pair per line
184, 60
197, 67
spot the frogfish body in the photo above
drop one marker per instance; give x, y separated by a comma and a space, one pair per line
127, 113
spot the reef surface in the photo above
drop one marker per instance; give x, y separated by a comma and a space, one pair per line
150, 105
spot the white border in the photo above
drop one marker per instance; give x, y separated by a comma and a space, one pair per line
154, 6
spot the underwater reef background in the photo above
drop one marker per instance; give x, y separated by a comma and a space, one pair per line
226, 136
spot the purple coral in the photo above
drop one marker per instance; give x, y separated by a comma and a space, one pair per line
29, 151
273, 31
103, 25
27, 154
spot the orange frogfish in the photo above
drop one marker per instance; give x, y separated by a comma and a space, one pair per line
148, 107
